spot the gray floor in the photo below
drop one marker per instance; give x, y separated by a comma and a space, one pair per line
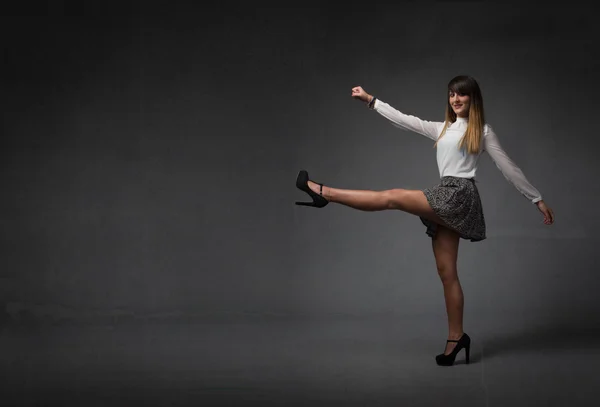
257, 362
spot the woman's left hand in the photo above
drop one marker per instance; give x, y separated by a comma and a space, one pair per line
548, 213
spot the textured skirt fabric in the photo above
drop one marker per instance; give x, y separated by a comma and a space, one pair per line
456, 201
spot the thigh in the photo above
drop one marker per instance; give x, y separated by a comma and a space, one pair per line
415, 202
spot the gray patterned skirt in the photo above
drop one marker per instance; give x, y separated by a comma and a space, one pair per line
456, 201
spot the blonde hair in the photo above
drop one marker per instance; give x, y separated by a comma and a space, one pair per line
473, 135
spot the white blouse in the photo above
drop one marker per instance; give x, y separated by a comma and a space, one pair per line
456, 162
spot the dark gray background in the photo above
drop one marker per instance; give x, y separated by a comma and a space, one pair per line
149, 156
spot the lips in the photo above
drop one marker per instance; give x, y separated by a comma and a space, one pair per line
457, 106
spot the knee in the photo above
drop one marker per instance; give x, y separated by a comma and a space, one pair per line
393, 198
447, 272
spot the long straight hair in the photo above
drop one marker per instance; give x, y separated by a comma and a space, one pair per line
466, 85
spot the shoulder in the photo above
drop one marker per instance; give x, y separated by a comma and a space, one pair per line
487, 129
489, 137
489, 133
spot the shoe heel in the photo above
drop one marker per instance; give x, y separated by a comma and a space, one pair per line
463, 343
318, 201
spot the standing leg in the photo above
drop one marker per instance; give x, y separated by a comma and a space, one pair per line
445, 248
410, 201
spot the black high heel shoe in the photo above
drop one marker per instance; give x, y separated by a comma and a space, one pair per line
318, 200
448, 360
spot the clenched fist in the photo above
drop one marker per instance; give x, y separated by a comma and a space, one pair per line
359, 93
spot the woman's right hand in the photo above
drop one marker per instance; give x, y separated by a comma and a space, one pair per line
359, 93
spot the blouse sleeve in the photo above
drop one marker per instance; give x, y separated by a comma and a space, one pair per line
509, 169
407, 122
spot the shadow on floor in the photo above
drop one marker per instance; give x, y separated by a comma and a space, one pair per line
542, 338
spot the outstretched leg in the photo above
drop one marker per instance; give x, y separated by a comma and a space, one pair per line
445, 248
410, 201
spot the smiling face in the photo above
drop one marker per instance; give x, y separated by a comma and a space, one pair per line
460, 103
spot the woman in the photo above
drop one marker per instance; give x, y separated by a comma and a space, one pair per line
450, 210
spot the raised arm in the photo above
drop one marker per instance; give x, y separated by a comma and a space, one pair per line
404, 121
407, 122
509, 169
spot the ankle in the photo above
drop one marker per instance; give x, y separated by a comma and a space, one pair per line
324, 191
455, 335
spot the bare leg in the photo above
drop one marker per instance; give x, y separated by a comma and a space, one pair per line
410, 201
445, 248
